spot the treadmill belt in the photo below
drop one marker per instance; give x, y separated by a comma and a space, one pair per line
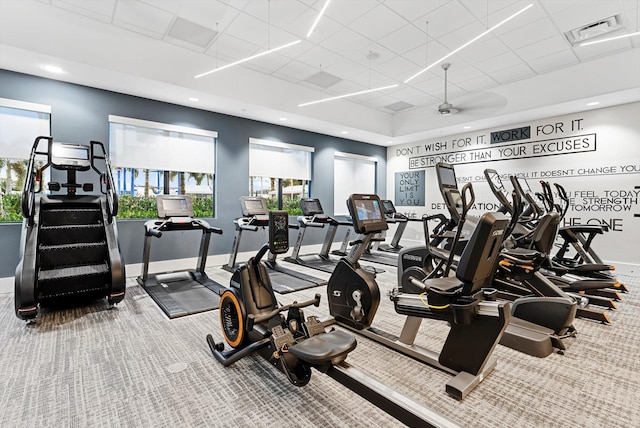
181, 298
383, 259
283, 283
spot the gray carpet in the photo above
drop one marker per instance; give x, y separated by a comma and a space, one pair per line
133, 367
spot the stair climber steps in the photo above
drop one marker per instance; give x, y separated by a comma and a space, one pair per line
69, 216
76, 280
71, 234
56, 256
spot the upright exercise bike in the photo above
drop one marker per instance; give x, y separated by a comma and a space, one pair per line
477, 320
253, 321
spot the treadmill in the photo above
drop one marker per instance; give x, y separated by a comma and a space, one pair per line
255, 215
184, 292
313, 216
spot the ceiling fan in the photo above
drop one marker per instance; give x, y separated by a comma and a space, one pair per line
446, 108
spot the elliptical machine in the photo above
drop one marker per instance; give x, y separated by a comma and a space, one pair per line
252, 320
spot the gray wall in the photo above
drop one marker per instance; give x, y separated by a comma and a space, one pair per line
80, 114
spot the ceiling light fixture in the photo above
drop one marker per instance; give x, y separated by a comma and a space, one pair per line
284, 119
453, 52
347, 95
248, 59
194, 99
52, 68
344, 132
315, 23
593, 103
608, 39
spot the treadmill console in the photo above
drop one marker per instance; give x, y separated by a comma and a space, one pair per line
174, 206
366, 213
311, 207
253, 206
278, 232
389, 209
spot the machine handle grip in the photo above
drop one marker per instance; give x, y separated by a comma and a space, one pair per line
249, 227
155, 232
215, 230
253, 319
421, 285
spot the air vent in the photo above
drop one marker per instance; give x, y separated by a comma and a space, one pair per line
191, 32
594, 30
399, 106
322, 79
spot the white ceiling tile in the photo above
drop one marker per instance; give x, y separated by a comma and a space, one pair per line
296, 71
231, 47
101, 10
269, 63
455, 39
528, 16
543, 48
345, 41
405, 92
396, 67
489, 46
326, 28
506, 60
278, 12
445, 19
414, 9
345, 68
601, 49
371, 79
480, 9
249, 29
318, 57
480, 83
513, 73
136, 15
345, 12
425, 55
554, 61
404, 39
377, 23
529, 33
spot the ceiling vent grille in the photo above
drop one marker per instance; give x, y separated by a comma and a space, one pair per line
323, 79
399, 106
190, 32
594, 30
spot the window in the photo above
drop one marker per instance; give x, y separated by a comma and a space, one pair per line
279, 172
351, 174
151, 158
20, 124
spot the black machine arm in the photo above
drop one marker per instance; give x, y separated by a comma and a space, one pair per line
253, 319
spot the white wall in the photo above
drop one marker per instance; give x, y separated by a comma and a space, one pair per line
595, 155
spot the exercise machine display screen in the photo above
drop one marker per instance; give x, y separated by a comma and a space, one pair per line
310, 207
446, 175
389, 209
70, 156
252, 206
174, 206
366, 212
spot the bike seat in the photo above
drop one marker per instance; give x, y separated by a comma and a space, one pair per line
324, 348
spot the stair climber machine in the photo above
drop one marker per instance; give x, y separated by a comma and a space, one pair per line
252, 321
477, 321
184, 292
255, 216
69, 242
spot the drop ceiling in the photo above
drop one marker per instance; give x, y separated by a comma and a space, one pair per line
526, 69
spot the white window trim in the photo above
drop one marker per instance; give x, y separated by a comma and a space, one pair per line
23, 105
354, 156
161, 126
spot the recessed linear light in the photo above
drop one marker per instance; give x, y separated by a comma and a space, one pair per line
467, 127
469, 42
344, 132
248, 59
194, 99
594, 103
284, 119
52, 68
313, 27
637, 33
347, 95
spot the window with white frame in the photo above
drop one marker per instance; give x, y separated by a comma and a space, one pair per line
351, 174
20, 124
279, 172
151, 158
